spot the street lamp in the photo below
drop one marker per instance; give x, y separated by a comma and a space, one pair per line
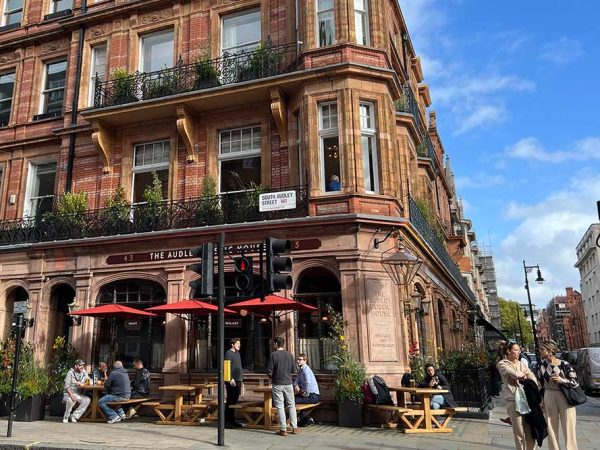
540, 280
519, 319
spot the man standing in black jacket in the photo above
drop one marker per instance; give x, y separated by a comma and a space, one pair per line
234, 386
280, 367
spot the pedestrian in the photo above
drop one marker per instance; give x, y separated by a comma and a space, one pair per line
553, 373
513, 371
280, 368
140, 386
72, 395
234, 386
306, 389
118, 390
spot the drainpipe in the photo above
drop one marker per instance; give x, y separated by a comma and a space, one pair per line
74, 106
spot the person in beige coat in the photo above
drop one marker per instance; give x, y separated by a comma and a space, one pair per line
553, 373
512, 371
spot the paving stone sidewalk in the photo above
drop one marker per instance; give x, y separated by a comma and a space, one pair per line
469, 434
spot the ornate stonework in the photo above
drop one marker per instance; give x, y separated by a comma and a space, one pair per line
97, 31
55, 46
8, 57
155, 16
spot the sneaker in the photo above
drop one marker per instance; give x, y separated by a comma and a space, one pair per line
65, 420
73, 419
295, 430
310, 421
114, 419
123, 417
131, 414
281, 433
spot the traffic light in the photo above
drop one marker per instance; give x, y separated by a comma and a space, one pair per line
203, 286
276, 280
244, 280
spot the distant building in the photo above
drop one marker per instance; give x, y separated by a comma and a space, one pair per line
565, 320
588, 257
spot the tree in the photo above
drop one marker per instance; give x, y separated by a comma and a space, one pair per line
510, 314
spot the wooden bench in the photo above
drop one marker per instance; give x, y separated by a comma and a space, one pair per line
134, 403
438, 426
390, 414
190, 412
253, 412
308, 407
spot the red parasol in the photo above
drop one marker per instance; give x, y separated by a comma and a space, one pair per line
194, 307
272, 302
111, 310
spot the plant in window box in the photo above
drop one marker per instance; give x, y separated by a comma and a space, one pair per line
209, 207
116, 217
160, 85
152, 212
206, 73
69, 217
123, 87
262, 62
401, 104
350, 374
63, 358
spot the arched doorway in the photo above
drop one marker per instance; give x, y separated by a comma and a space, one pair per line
59, 323
127, 339
317, 287
18, 294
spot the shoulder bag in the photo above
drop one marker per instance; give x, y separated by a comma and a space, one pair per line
574, 394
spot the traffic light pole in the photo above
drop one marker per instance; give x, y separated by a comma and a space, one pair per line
221, 344
13, 393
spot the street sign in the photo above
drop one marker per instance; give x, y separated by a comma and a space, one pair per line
20, 307
276, 201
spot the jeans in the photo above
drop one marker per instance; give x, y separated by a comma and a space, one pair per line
300, 399
83, 401
437, 401
285, 393
108, 411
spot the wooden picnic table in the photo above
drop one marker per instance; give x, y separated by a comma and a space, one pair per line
178, 413
265, 415
93, 413
175, 418
424, 415
201, 386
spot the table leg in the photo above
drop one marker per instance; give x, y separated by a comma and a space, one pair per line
268, 404
94, 404
198, 397
178, 405
427, 411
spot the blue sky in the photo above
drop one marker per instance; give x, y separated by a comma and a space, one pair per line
516, 89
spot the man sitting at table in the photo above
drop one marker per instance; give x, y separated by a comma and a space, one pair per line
140, 386
74, 380
101, 372
118, 390
306, 389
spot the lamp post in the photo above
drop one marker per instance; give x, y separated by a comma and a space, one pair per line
519, 320
540, 280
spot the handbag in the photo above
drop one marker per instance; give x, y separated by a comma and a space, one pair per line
574, 395
521, 405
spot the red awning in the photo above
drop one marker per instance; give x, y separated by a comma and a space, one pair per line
272, 302
112, 310
195, 307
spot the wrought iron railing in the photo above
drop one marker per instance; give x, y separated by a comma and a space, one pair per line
265, 61
472, 387
418, 220
408, 104
229, 208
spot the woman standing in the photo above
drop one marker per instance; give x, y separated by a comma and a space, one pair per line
553, 373
513, 371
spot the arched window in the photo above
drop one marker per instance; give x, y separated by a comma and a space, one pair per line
317, 287
136, 337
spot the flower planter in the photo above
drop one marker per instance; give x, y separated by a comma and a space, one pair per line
57, 407
350, 414
31, 409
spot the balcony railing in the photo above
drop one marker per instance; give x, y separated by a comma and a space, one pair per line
418, 220
229, 208
408, 104
266, 61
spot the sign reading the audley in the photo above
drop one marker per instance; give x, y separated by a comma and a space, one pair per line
185, 253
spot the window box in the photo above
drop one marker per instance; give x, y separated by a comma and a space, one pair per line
12, 26
49, 115
58, 14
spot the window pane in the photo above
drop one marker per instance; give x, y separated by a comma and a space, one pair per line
237, 174
241, 32
365, 116
7, 84
14, 4
61, 5
56, 75
157, 51
13, 18
326, 28
243, 139
368, 163
324, 4
331, 164
142, 180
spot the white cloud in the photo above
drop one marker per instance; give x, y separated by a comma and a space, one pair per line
562, 52
479, 181
547, 234
482, 116
532, 149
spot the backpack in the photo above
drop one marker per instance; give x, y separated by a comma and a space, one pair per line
380, 391
367, 394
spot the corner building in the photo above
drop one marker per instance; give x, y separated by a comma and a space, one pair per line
223, 100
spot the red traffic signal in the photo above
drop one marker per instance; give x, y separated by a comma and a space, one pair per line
244, 279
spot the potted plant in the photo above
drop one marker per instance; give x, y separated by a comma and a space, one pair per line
70, 213
150, 215
161, 85
123, 87
350, 374
262, 62
206, 73
7, 352
209, 207
63, 358
117, 214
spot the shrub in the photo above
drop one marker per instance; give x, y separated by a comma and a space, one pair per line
63, 359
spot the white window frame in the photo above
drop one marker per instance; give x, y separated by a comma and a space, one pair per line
145, 168
54, 9
246, 46
43, 103
145, 36
29, 210
241, 154
362, 16
11, 99
325, 133
6, 13
93, 59
369, 131
325, 12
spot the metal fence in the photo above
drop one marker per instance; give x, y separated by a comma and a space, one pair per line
472, 387
228, 208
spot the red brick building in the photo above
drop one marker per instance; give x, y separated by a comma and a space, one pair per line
222, 101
